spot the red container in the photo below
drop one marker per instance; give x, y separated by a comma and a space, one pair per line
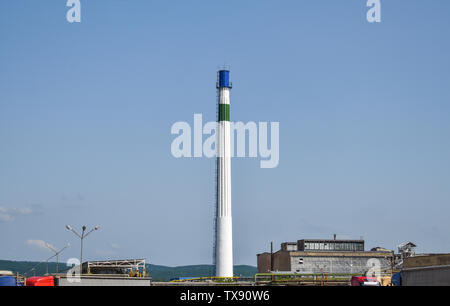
47, 281
364, 281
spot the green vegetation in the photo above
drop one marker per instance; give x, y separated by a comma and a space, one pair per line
158, 273
25, 267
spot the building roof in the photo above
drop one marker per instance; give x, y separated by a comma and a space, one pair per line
375, 249
116, 263
332, 240
113, 265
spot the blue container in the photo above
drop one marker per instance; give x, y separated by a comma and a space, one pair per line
183, 278
224, 78
8, 281
396, 279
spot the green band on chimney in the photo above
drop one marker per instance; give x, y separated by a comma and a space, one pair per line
224, 112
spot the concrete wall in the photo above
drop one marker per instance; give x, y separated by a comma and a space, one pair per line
420, 261
426, 270
350, 264
282, 261
329, 262
263, 261
426, 276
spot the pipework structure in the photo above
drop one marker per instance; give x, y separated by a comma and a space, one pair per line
223, 247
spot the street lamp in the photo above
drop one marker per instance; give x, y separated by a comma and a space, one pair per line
34, 268
82, 236
56, 253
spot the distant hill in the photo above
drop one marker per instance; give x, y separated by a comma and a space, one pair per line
158, 273
163, 273
25, 267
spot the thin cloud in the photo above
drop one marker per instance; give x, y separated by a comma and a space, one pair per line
8, 214
39, 244
22, 211
4, 215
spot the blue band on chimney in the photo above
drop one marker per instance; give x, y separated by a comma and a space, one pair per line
224, 78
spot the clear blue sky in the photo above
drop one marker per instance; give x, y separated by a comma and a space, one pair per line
86, 111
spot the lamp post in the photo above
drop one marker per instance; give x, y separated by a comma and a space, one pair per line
34, 268
82, 236
56, 253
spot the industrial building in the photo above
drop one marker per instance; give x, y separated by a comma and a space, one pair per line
129, 272
313, 256
130, 267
